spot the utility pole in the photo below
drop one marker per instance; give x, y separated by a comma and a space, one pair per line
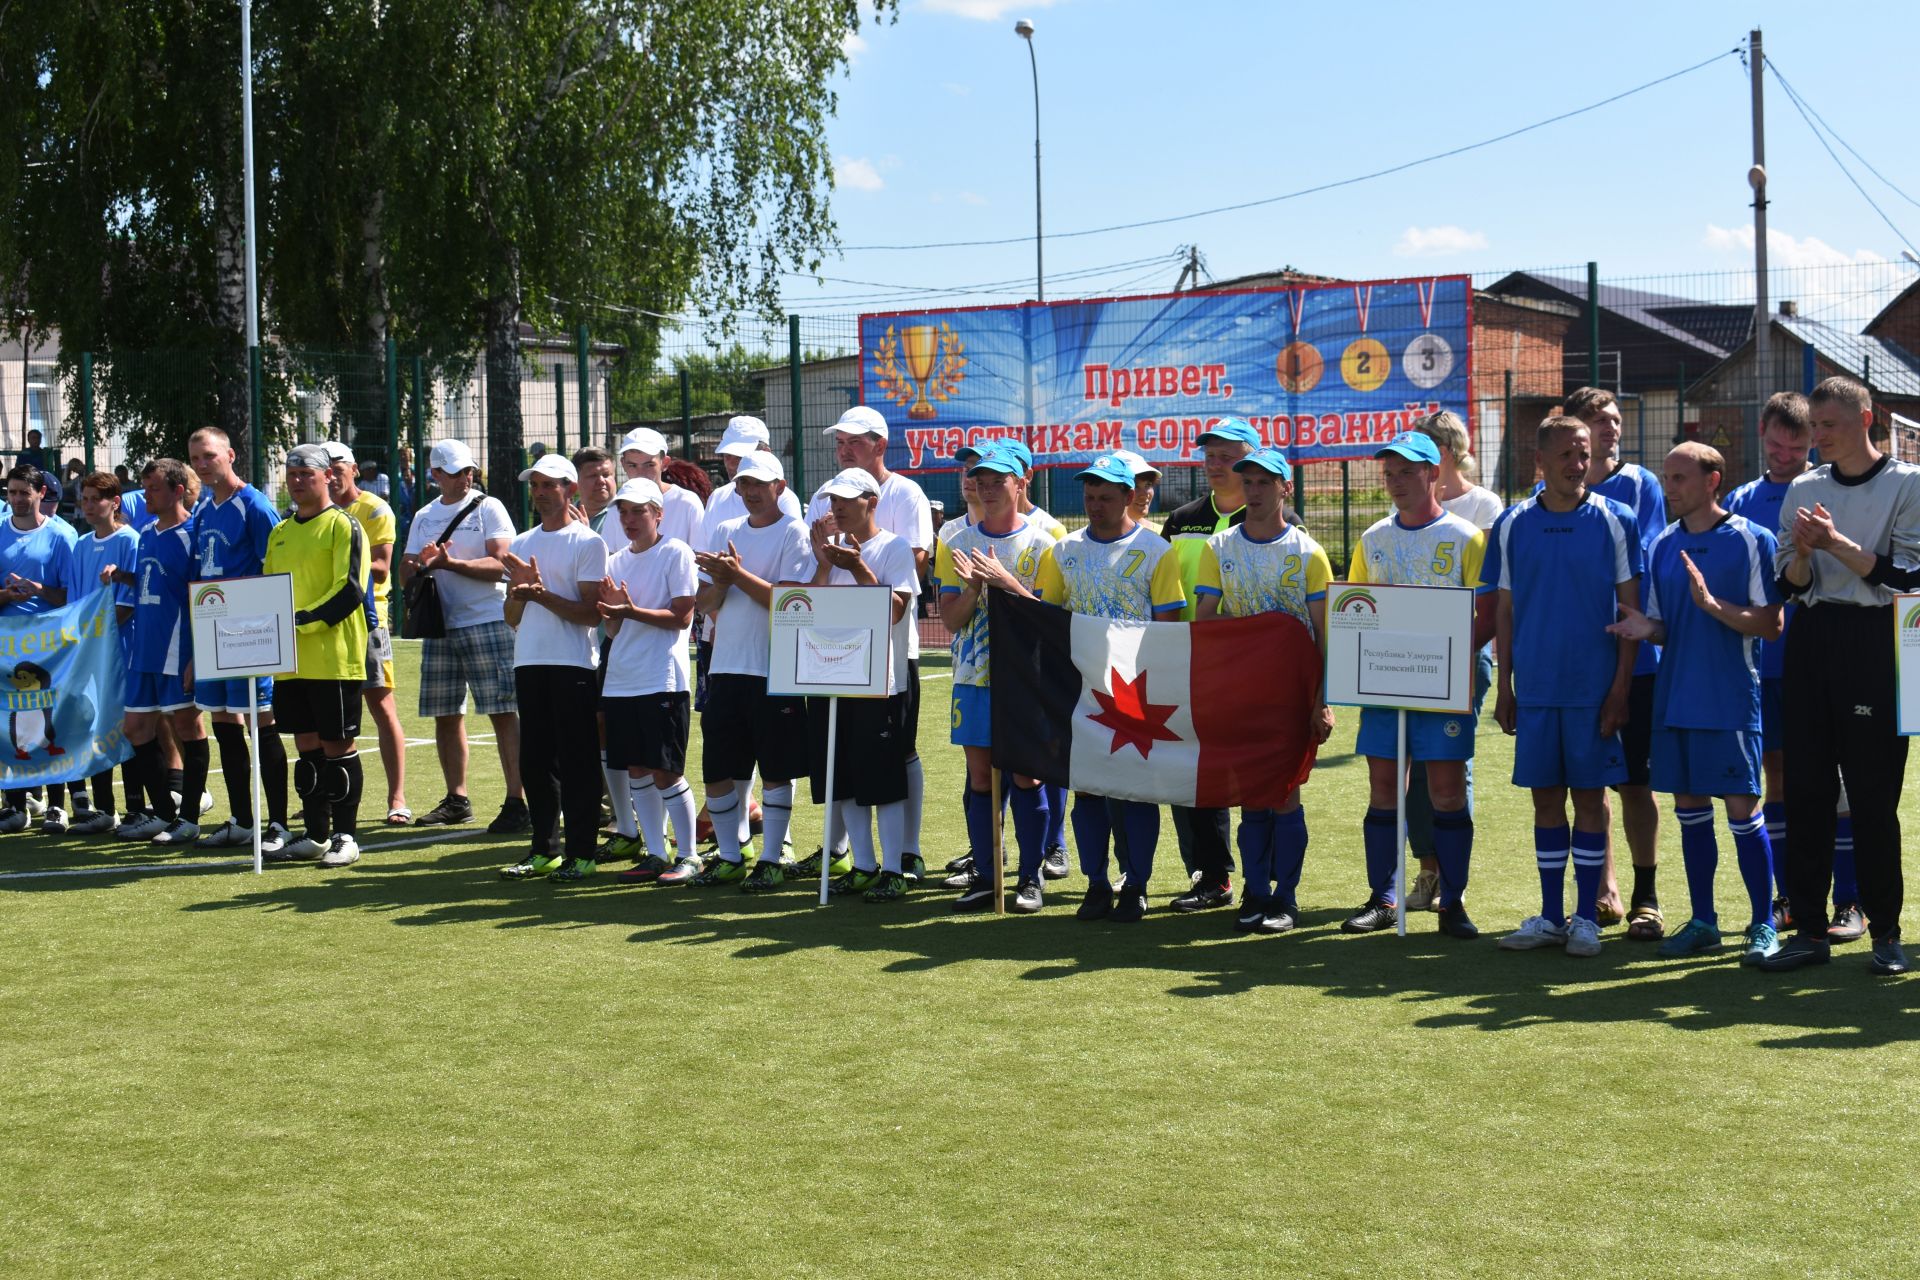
1757, 179
1190, 271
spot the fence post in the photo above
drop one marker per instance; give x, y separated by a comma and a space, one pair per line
581, 344
560, 407
393, 408
1593, 324
256, 372
418, 431
1680, 404
686, 413
86, 405
526, 492
1299, 491
1346, 505
1506, 443
793, 378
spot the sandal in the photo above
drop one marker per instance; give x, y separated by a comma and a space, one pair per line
1607, 913
400, 816
1645, 923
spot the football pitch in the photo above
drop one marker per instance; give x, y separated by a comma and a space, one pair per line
412, 1067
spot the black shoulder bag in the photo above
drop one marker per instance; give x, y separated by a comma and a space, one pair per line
424, 619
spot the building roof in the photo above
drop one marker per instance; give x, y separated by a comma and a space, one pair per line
1711, 328
1888, 310
1886, 367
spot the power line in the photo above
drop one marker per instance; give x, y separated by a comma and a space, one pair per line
1015, 280
1306, 191
1794, 98
986, 289
1795, 95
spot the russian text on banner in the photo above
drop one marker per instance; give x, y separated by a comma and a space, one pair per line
65, 693
1207, 714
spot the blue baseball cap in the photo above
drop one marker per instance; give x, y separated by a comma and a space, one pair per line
1268, 459
1018, 448
1000, 460
1232, 430
1414, 446
1111, 468
966, 453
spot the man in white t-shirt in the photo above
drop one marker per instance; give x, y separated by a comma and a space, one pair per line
872, 744
554, 573
646, 696
743, 726
643, 456
477, 650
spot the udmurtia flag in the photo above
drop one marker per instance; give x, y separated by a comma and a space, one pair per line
1205, 714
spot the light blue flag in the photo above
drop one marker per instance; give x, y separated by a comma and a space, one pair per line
63, 677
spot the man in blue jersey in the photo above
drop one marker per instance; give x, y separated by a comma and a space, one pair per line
1564, 560
229, 529
1711, 598
1637, 489
1786, 438
159, 686
36, 564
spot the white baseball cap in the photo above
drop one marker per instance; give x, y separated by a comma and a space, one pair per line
761, 465
451, 456
861, 421
554, 467
744, 435
642, 492
1136, 464
336, 451
854, 482
646, 440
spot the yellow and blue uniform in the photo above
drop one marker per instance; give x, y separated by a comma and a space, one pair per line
328, 558
1020, 551
1281, 575
1132, 577
1187, 528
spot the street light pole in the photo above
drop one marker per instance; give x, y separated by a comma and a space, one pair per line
1024, 29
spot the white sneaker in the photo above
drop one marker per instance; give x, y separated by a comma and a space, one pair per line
1425, 894
342, 851
181, 834
12, 820
1535, 932
305, 849
1583, 937
98, 822
35, 805
55, 822
228, 835
274, 838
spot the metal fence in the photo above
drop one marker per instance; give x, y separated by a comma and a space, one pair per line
1679, 351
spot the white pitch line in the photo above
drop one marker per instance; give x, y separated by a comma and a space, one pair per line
375, 846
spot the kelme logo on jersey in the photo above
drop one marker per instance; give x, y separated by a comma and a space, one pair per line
793, 602
1355, 600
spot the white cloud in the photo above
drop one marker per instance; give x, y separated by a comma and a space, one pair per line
984, 10
853, 44
1422, 242
857, 173
1784, 250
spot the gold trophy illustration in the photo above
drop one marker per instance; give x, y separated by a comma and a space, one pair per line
920, 344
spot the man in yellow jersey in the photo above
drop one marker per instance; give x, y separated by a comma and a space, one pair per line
1116, 567
325, 552
376, 520
1421, 544
1206, 834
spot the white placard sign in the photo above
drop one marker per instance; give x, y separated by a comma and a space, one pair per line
1405, 647
830, 642
1906, 663
242, 627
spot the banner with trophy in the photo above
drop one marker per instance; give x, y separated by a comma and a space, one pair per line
1327, 372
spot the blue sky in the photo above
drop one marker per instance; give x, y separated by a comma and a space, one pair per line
1151, 109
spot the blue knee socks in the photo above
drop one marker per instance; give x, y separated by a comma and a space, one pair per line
980, 831
1589, 865
1846, 889
1754, 853
1029, 806
1550, 847
1453, 850
1290, 855
1377, 835
1701, 857
1057, 817
1091, 832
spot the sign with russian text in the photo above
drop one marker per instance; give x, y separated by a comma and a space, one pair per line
243, 627
1409, 648
830, 642
1328, 372
65, 693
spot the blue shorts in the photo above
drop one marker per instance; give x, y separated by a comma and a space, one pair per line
230, 695
1773, 724
1706, 762
1562, 747
972, 719
151, 691
1431, 735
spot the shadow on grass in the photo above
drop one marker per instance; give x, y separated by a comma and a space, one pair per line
1838, 1006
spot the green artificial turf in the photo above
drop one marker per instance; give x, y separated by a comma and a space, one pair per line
413, 1068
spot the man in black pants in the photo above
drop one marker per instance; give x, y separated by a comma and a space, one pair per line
1849, 538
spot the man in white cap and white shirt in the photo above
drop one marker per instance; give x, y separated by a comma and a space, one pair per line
743, 727
460, 539
554, 572
860, 442
643, 456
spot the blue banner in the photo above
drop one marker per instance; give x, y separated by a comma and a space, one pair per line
1327, 372
65, 693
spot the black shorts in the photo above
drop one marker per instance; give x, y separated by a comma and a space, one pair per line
702, 658
744, 726
648, 731
870, 764
910, 713
1636, 737
329, 708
